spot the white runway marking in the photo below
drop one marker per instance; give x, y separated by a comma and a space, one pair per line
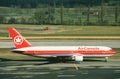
116, 71
66, 75
22, 73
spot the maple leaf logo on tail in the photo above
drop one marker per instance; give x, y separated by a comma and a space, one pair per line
18, 40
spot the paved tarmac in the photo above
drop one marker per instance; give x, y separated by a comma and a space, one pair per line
109, 44
45, 70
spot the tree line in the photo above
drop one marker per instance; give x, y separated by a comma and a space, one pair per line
83, 12
43, 3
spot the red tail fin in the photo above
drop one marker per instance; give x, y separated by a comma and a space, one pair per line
19, 41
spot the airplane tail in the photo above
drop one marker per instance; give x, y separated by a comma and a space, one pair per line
18, 39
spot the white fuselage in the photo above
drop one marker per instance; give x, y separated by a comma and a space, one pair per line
96, 51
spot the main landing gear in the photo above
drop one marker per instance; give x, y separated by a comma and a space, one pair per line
106, 59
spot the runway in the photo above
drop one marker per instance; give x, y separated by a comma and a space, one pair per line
45, 70
109, 44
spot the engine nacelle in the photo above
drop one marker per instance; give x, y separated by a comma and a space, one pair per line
78, 58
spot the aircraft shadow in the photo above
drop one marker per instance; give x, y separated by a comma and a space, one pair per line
52, 60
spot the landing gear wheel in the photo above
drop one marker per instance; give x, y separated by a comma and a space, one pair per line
106, 59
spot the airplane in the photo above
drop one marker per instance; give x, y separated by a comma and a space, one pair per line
76, 53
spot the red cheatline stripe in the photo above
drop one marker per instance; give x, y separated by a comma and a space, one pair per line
69, 52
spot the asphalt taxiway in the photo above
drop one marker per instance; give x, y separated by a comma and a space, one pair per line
109, 44
45, 70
